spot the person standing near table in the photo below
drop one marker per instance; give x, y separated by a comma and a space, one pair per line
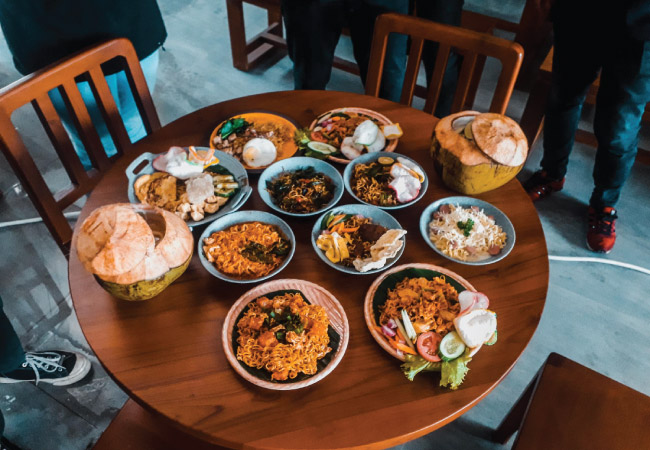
313, 29
40, 32
590, 37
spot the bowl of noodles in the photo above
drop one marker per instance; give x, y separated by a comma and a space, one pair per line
385, 180
285, 334
300, 186
246, 246
358, 239
467, 230
428, 293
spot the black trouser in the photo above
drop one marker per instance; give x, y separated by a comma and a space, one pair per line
11, 351
313, 30
586, 41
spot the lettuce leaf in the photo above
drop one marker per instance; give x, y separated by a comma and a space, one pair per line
453, 372
414, 364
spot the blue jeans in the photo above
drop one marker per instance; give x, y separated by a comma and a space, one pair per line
582, 49
124, 101
12, 354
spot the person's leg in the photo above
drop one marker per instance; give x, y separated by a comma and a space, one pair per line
448, 12
622, 96
362, 23
313, 28
576, 62
12, 354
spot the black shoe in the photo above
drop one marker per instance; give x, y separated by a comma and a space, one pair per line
55, 367
6, 445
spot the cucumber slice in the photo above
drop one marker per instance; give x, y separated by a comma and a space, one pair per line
451, 346
322, 147
492, 340
224, 192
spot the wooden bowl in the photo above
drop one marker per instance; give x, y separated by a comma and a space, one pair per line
315, 295
383, 120
369, 309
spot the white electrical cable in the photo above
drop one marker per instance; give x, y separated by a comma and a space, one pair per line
13, 223
600, 261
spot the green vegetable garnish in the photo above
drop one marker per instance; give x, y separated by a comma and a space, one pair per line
453, 372
466, 226
231, 126
415, 364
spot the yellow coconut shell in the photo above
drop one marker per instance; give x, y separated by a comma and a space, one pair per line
463, 165
154, 245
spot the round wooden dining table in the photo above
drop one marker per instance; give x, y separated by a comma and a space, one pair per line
167, 354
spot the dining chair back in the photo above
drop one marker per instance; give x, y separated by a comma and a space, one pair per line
472, 45
63, 76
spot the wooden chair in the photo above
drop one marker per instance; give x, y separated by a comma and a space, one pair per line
34, 89
532, 119
568, 406
471, 44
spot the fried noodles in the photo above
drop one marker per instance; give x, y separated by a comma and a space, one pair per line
302, 191
283, 335
246, 250
370, 184
431, 305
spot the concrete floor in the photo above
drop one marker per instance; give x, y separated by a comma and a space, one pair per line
597, 315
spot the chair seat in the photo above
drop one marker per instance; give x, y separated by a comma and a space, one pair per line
136, 429
575, 408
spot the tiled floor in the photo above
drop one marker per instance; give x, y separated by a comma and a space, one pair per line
595, 314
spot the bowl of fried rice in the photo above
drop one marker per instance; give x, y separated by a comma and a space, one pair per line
246, 246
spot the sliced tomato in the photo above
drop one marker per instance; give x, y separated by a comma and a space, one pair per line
428, 344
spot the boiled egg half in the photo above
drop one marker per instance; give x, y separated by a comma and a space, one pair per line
259, 152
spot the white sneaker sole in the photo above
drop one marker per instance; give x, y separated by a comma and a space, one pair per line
79, 371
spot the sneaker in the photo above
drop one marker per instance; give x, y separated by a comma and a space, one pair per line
539, 185
601, 235
55, 367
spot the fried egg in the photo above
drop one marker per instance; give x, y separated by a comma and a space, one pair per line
259, 152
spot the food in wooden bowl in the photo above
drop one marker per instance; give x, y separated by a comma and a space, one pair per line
285, 334
256, 139
196, 184
344, 134
475, 153
385, 180
430, 318
134, 251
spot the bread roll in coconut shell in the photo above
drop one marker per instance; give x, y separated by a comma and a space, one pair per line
469, 164
134, 251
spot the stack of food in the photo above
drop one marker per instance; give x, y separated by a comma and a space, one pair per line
475, 152
190, 183
134, 251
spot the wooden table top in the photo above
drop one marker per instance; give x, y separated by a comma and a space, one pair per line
167, 353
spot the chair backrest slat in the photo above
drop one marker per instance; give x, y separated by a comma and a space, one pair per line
435, 84
412, 69
108, 109
59, 138
464, 80
63, 76
472, 44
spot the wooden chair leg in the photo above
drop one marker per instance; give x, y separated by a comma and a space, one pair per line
235, 9
512, 422
275, 17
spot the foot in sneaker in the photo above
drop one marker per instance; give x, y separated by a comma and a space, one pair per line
55, 367
540, 185
601, 235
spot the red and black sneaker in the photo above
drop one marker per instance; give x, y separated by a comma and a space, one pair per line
540, 185
601, 236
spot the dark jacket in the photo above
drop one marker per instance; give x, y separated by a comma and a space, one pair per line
40, 32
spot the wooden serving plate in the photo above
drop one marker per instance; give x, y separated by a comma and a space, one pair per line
315, 295
391, 144
369, 310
